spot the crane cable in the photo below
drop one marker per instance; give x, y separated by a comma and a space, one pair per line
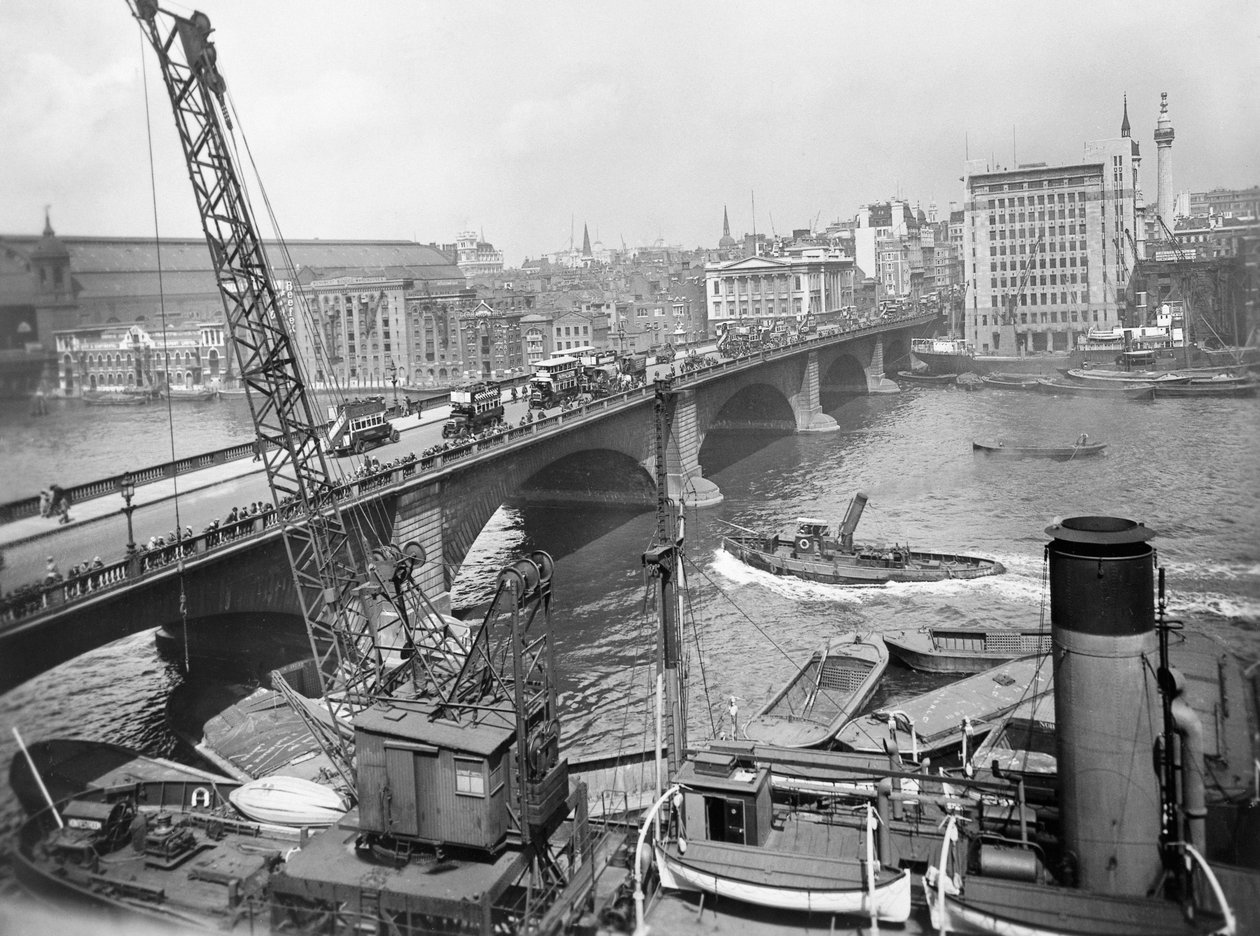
166, 357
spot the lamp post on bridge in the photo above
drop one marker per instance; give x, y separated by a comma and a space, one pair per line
393, 379
127, 488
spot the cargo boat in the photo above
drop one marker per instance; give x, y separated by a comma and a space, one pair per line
809, 551
964, 650
946, 719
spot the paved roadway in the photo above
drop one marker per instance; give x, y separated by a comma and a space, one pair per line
204, 496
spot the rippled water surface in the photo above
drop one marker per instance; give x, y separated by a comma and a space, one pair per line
1185, 468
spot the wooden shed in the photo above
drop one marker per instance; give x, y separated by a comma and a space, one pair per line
431, 779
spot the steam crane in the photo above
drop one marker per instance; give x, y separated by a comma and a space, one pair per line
1011, 300
336, 599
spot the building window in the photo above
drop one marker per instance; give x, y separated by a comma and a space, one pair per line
469, 780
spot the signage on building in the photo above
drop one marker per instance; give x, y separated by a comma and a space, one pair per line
1162, 256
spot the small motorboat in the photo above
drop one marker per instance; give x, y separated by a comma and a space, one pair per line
964, 650
1078, 449
823, 695
809, 551
288, 801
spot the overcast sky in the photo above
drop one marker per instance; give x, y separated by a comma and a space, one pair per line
422, 119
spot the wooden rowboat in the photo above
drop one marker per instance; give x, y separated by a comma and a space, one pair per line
1055, 452
823, 695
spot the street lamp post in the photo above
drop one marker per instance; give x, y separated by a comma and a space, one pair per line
393, 379
127, 488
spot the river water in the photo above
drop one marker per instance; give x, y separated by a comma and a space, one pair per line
1185, 468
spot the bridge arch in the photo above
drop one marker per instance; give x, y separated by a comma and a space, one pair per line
844, 374
601, 474
755, 406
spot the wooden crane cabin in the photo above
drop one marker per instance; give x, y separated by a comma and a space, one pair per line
434, 780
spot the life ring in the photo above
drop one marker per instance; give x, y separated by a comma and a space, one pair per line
804, 543
200, 798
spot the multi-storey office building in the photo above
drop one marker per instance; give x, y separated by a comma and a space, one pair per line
1048, 250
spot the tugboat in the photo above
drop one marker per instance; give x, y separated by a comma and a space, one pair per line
809, 551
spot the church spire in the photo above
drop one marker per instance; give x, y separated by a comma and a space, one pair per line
586, 241
727, 241
1124, 124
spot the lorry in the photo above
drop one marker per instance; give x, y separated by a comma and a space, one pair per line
554, 381
599, 372
473, 408
358, 425
632, 365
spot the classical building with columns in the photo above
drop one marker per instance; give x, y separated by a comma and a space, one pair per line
765, 290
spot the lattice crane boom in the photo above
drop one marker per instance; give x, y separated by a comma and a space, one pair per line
315, 535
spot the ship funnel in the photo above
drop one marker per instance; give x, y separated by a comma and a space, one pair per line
1106, 701
851, 518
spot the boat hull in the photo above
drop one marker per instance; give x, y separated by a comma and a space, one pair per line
749, 882
946, 363
1054, 452
288, 801
1013, 908
963, 650
825, 693
761, 553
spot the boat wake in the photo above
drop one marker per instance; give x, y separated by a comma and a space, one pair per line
1231, 607
1009, 589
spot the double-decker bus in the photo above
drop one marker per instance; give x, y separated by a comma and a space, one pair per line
554, 380
358, 425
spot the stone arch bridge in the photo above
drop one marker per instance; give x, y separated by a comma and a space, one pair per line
603, 452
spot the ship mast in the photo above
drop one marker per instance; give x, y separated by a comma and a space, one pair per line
662, 562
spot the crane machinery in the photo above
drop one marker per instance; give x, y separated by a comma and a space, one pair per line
493, 706
340, 579
1010, 302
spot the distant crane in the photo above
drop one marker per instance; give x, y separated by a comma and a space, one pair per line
1010, 302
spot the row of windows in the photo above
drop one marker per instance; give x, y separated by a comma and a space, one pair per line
1051, 317
572, 331
1044, 299
1013, 281
755, 284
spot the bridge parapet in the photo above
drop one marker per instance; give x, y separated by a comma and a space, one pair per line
49, 599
